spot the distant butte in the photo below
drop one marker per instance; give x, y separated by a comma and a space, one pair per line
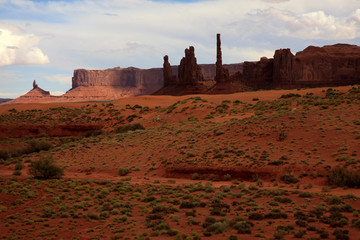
335, 65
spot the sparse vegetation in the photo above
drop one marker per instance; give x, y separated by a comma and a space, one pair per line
45, 168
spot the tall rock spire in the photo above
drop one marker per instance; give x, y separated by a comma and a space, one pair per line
222, 74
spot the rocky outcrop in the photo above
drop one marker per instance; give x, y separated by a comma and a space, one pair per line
222, 74
223, 83
35, 95
256, 75
147, 80
333, 65
190, 79
189, 71
169, 78
35, 84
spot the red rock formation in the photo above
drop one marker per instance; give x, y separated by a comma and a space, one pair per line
257, 75
189, 71
35, 95
35, 84
169, 78
334, 65
222, 74
149, 79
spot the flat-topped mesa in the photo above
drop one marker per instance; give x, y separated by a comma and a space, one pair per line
335, 65
169, 78
138, 81
222, 74
189, 71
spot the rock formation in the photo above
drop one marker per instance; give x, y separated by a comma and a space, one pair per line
189, 71
35, 95
222, 74
223, 83
333, 65
169, 78
190, 79
35, 84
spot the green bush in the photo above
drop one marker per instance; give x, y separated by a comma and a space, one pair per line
37, 146
44, 168
290, 95
289, 178
129, 127
344, 178
123, 171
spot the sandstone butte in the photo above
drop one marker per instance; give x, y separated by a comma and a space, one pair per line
334, 65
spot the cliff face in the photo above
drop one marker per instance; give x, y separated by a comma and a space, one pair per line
333, 65
146, 80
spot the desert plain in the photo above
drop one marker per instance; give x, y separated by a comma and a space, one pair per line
275, 164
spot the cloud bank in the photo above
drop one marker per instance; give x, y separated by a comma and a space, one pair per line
104, 34
18, 48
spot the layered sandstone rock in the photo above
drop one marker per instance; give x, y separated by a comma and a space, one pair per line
169, 78
35, 95
222, 74
189, 71
190, 79
333, 65
223, 81
145, 80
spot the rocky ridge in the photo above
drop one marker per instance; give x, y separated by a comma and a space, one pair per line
334, 65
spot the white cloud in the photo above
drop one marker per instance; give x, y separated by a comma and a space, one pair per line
11, 95
57, 93
310, 25
59, 78
19, 48
103, 34
276, 1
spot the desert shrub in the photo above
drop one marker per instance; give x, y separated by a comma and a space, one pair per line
301, 216
290, 95
341, 234
289, 178
275, 214
300, 233
188, 204
305, 194
37, 146
276, 162
123, 171
4, 154
344, 178
19, 166
218, 227
243, 227
208, 221
93, 133
129, 127
195, 176
221, 108
45, 168
282, 135
282, 199
333, 199
227, 177
356, 223
256, 216
93, 216
17, 173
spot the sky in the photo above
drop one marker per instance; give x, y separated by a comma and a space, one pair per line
45, 40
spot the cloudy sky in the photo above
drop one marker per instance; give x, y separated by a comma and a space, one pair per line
47, 39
